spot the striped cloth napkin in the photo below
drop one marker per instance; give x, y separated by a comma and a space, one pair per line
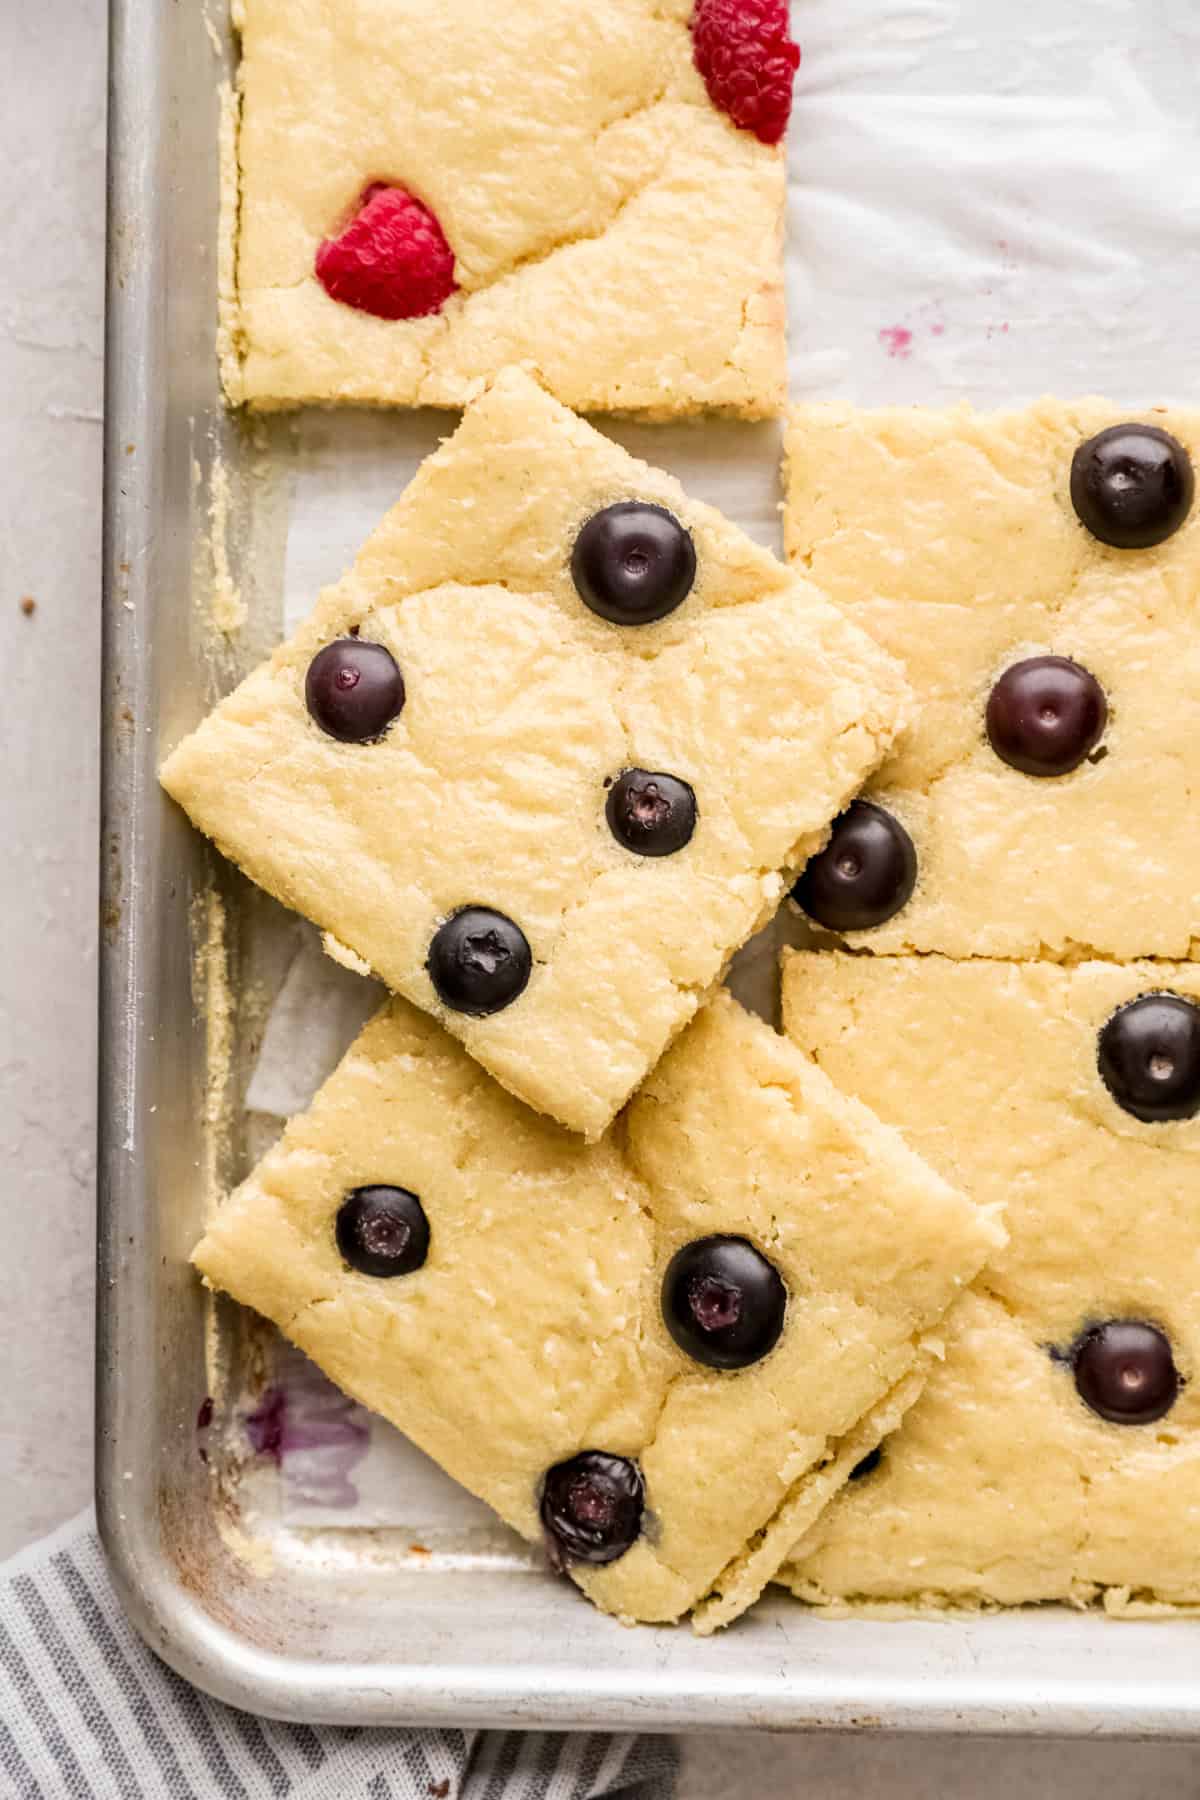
88, 1713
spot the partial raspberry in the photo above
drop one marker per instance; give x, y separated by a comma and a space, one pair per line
748, 61
392, 259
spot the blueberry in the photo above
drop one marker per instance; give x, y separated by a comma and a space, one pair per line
633, 563
652, 815
865, 874
479, 961
1149, 1057
382, 1231
354, 690
723, 1302
1124, 1370
1132, 485
592, 1507
868, 1465
1046, 715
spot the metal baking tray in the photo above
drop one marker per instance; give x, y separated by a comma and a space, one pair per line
363, 1627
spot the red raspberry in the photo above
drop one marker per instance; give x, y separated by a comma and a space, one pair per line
748, 61
392, 259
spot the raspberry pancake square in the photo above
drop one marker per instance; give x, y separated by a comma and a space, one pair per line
428, 190
540, 759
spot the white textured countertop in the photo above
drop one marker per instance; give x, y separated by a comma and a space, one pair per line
51, 346
52, 232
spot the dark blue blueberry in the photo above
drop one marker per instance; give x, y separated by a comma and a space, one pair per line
633, 563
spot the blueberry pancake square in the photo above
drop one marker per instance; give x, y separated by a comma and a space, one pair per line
661, 1354
539, 758
1055, 1453
1038, 573
428, 190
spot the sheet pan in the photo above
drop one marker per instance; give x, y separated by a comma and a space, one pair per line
984, 203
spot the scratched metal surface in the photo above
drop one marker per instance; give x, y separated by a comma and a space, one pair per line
334, 1615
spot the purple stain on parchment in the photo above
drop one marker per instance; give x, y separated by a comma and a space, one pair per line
264, 1426
316, 1434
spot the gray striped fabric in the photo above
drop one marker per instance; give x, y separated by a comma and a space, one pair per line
88, 1713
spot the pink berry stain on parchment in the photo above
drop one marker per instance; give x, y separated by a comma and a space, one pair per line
897, 340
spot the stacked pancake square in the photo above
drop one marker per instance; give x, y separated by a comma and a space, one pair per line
999, 938
547, 755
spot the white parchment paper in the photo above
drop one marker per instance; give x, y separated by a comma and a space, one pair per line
989, 200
